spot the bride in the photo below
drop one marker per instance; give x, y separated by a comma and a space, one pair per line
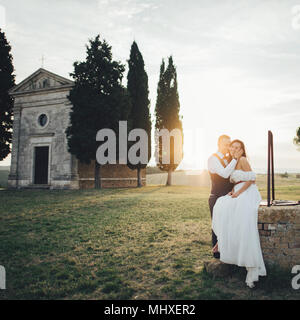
235, 220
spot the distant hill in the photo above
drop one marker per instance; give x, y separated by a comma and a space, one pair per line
180, 177
154, 169
3, 178
5, 168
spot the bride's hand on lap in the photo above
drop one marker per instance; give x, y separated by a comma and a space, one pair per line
235, 194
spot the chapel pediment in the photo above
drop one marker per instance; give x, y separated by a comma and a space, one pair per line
41, 80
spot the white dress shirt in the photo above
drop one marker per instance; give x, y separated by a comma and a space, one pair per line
214, 165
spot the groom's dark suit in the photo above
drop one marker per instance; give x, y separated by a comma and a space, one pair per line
220, 184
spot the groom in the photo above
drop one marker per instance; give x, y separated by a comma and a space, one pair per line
220, 170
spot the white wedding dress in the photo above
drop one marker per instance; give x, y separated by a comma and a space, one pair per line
235, 225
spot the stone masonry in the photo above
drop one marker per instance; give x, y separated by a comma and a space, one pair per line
42, 93
112, 176
279, 230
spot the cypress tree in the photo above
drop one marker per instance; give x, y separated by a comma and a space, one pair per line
99, 101
137, 85
7, 81
167, 116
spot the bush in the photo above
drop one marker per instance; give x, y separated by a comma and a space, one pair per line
284, 175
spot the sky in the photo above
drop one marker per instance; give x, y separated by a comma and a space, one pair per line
238, 62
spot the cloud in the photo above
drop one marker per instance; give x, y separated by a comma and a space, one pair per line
125, 8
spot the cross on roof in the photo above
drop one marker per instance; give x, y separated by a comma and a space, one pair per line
42, 60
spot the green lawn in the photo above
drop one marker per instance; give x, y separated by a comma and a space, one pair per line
147, 243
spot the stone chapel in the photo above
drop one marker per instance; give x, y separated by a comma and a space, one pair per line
40, 157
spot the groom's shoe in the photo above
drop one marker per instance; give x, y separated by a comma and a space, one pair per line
217, 255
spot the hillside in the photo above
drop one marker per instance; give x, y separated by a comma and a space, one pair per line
3, 178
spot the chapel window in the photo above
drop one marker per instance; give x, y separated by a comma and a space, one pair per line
42, 120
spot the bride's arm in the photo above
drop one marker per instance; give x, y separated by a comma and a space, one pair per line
246, 185
245, 167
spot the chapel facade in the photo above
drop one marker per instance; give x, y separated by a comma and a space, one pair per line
40, 157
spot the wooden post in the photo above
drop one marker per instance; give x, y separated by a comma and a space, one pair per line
270, 169
269, 149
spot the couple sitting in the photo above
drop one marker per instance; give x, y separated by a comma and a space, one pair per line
233, 203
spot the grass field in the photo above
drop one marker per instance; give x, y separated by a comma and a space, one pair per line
147, 243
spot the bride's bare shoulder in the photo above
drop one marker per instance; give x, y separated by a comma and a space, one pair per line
244, 163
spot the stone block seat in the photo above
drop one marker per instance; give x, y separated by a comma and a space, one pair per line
279, 230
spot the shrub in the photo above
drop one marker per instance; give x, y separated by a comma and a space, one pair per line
284, 175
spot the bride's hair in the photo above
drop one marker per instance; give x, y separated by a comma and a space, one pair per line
242, 146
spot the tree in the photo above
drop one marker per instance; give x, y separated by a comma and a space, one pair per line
137, 85
167, 117
99, 101
7, 81
297, 138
